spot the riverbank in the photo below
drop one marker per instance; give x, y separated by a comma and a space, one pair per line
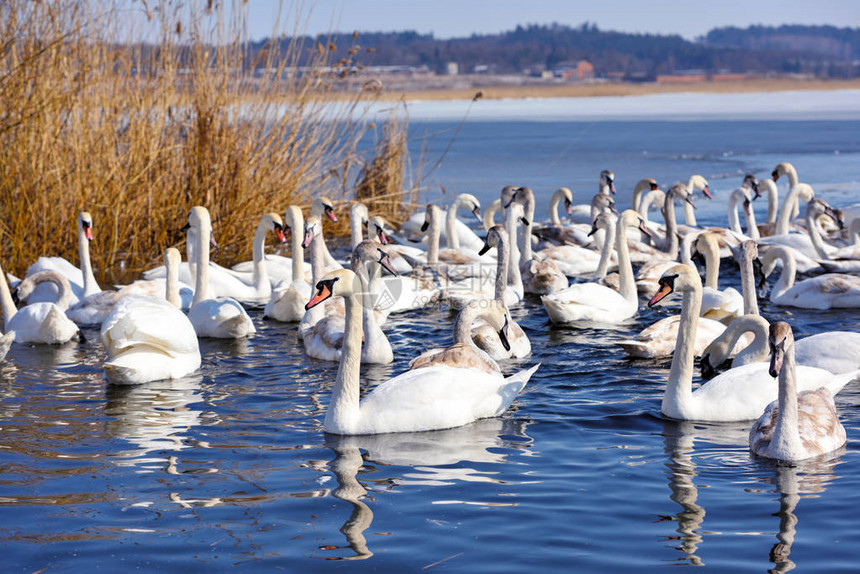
487, 90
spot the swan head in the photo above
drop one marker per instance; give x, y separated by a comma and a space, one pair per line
85, 220
631, 218
748, 252
358, 212
495, 313
780, 341
766, 184
680, 278
490, 213
274, 222
432, 216
567, 196
818, 207
497, 235
646, 183
681, 191
705, 245
293, 219
471, 202
507, 195
25, 288
313, 228
172, 258
604, 203
750, 182
339, 283
376, 227
603, 221
323, 206
607, 180
517, 211
371, 251
526, 197
781, 169
700, 183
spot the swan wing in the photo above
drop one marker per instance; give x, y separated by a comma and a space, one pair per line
437, 398
835, 351
150, 322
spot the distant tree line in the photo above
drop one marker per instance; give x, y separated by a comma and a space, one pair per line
824, 51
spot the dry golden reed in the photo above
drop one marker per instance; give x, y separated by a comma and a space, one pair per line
92, 117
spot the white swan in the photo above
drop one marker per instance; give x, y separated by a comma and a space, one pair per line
579, 257
464, 353
834, 351
769, 225
461, 233
553, 233
645, 184
847, 258
828, 291
287, 302
220, 317
39, 322
424, 399
253, 287
807, 246
593, 302
735, 395
695, 183
149, 339
485, 337
743, 196
325, 340
539, 275
796, 426
721, 305
82, 281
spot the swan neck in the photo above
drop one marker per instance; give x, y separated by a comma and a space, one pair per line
7, 305
712, 264
789, 270
502, 264
772, 203
671, 226
748, 289
527, 232
343, 411
788, 207
90, 284
679, 387
433, 242
463, 325
298, 253
171, 285
815, 235
514, 277
757, 350
451, 226
201, 281
734, 221
357, 217
317, 257
553, 209
690, 214
261, 275
627, 283
786, 436
605, 253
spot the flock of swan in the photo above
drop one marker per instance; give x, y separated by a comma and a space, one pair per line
580, 268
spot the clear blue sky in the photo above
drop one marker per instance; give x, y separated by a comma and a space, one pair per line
458, 18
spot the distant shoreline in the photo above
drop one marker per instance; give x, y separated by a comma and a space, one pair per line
496, 92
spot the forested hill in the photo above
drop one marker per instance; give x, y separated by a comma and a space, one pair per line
819, 50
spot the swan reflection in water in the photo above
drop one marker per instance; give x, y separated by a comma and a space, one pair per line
791, 481
153, 417
679, 438
437, 455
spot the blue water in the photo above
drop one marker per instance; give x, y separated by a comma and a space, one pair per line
230, 469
